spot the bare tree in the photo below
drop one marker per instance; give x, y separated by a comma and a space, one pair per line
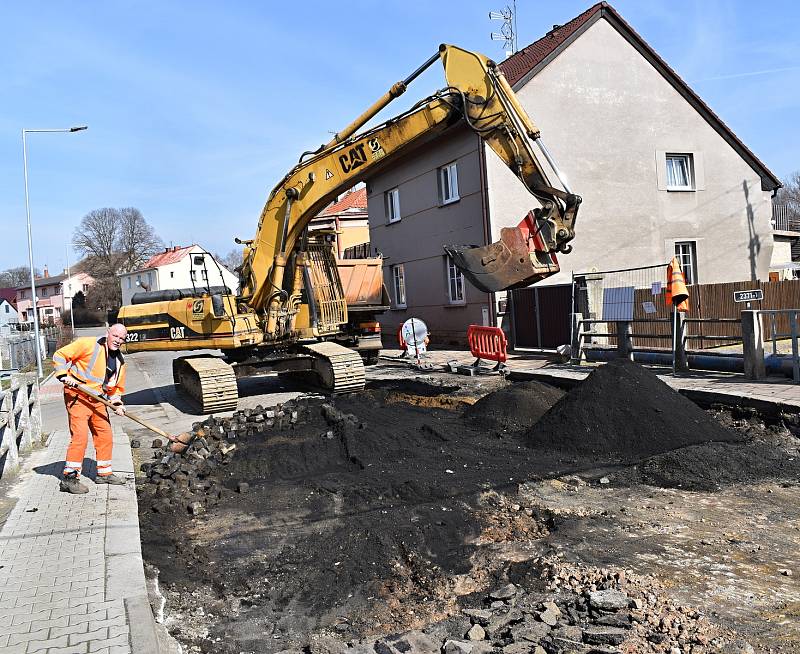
137, 241
790, 193
16, 277
231, 261
113, 241
96, 237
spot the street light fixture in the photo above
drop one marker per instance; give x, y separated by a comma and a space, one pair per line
30, 243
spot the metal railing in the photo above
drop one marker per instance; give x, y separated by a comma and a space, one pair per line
785, 217
775, 335
20, 421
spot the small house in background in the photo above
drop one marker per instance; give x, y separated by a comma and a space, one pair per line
53, 295
8, 306
348, 221
177, 267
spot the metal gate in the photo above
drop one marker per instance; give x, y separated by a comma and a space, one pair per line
541, 316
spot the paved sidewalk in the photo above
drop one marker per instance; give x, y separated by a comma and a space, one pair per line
71, 575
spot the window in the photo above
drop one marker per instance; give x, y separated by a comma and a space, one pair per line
392, 199
172, 273
6, 308
455, 282
399, 285
448, 183
687, 256
44, 291
129, 282
193, 275
680, 172
204, 274
85, 287
22, 295
150, 280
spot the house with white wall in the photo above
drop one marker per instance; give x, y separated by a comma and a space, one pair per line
659, 172
177, 267
8, 309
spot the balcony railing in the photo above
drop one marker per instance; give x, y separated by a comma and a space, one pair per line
786, 217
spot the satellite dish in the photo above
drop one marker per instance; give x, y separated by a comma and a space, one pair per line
415, 335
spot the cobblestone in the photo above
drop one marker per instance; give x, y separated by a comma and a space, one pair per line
55, 568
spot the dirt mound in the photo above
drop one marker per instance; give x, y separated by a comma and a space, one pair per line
624, 410
513, 408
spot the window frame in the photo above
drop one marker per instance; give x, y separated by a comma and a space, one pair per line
448, 182
687, 259
454, 275
399, 287
688, 159
391, 200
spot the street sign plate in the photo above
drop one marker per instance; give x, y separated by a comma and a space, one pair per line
748, 296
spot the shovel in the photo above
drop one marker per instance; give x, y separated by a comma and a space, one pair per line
179, 443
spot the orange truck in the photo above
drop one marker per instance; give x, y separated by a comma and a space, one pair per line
367, 297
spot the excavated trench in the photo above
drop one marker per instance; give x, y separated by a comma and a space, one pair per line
395, 509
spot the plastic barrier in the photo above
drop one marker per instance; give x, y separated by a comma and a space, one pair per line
488, 343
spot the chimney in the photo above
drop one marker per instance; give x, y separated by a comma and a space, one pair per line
46, 274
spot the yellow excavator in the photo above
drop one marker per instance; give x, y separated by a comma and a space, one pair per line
290, 307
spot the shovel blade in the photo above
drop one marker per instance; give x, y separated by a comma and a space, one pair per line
518, 259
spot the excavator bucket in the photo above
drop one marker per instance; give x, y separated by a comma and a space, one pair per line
518, 259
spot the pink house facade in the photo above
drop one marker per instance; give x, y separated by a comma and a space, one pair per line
53, 296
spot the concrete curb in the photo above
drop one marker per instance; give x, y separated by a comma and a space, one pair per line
125, 576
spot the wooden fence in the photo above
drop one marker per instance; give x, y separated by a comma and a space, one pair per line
712, 302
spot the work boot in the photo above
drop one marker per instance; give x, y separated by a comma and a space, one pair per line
71, 484
114, 480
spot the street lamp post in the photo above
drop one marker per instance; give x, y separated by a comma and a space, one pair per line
30, 241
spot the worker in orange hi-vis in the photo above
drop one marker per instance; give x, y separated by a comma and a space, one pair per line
677, 293
98, 365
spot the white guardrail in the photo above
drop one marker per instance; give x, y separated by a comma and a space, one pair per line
20, 421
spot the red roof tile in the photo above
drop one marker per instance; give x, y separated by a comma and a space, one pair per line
9, 294
520, 63
173, 255
352, 200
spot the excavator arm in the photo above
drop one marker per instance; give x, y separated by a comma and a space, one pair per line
478, 94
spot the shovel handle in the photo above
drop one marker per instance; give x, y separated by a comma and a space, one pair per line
135, 418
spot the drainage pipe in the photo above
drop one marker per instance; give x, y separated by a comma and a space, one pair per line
721, 362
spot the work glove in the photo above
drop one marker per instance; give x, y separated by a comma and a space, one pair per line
71, 382
119, 408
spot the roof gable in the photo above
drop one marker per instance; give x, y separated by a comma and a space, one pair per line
352, 202
172, 255
522, 66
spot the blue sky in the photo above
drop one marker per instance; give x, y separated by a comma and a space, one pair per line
196, 109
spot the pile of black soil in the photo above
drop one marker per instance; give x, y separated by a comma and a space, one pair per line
623, 410
769, 451
327, 513
514, 407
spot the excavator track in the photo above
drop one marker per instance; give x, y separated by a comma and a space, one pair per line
208, 381
340, 369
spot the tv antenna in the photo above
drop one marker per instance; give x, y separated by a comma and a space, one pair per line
508, 30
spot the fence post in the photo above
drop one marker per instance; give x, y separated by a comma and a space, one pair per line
681, 359
624, 344
753, 346
576, 347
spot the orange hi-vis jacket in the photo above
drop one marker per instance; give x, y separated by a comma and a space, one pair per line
85, 360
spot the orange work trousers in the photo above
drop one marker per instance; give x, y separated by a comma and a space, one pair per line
87, 414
